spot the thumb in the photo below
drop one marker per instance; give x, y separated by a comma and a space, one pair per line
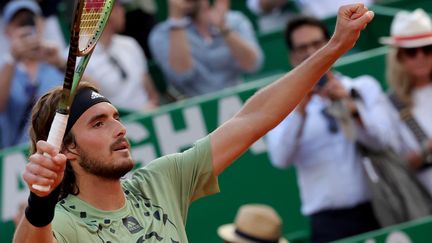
365, 19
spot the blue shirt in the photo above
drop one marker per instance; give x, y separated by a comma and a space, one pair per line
329, 167
214, 67
14, 120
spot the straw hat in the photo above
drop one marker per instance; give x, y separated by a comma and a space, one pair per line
410, 29
254, 223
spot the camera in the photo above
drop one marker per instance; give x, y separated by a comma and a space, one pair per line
321, 82
28, 19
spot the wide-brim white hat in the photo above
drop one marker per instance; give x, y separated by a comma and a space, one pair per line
410, 29
254, 223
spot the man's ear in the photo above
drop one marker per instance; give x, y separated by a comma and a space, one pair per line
71, 153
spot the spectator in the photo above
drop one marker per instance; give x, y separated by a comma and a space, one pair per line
272, 14
320, 139
52, 28
254, 223
203, 48
48, 24
119, 67
142, 12
409, 75
29, 69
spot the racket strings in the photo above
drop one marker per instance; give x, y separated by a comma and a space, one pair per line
93, 14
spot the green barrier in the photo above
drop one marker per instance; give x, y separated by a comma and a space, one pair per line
372, 62
416, 231
275, 54
409, 5
251, 179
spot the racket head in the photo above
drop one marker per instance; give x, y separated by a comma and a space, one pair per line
93, 17
90, 19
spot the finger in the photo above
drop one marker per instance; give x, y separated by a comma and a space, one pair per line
22, 32
41, 171
44, 161
222, 4
366, 18
357, 11
32, 179
44, 147
60, 162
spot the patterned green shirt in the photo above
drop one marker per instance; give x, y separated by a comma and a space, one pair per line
157, 201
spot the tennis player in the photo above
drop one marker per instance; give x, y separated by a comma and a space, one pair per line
88, 202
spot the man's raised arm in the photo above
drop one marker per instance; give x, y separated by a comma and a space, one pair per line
269, 106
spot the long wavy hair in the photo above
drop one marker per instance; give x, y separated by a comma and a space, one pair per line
397, 76
41, 118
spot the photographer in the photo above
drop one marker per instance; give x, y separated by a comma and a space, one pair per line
31, 67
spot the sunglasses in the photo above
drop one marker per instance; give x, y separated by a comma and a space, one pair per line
412, 52
316, 44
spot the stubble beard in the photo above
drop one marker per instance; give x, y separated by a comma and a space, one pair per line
113, 170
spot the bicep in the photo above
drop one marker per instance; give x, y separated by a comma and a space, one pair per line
229, 141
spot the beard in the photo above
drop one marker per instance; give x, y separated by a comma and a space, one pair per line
112, 170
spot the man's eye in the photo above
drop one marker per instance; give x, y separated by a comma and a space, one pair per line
98, 124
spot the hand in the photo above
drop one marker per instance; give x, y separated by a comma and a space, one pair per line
334, 89
429, 145
46, 168
49, 52
351, 20
415, 160
25, 44
218, 12
180, 8
267, 6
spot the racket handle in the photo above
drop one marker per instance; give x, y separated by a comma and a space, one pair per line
58, 127
55, 138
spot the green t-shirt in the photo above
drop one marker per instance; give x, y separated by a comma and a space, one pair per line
157, 201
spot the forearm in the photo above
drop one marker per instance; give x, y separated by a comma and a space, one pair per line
179, 55
243, 52
26, 232
284, 140
7, 72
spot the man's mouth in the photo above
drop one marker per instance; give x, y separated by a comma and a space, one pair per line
121, 144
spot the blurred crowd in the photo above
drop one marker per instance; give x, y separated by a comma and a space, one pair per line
203, 46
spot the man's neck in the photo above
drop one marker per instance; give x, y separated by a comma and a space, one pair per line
101, 193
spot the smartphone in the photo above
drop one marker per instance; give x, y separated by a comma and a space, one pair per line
28, 20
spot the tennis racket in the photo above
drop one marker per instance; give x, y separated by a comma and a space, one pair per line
90, 18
